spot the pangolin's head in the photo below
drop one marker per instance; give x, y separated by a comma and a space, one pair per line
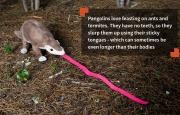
53, 47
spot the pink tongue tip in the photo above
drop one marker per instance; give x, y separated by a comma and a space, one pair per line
105, 80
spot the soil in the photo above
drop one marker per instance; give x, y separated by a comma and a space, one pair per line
156, 78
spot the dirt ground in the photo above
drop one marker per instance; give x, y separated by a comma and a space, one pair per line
154, 78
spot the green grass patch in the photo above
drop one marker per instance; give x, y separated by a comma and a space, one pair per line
23, 75
7, 48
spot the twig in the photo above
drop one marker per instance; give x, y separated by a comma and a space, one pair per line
69, 18
75, 82
35, 17
52, 76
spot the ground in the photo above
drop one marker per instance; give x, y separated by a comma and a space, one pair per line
153, 78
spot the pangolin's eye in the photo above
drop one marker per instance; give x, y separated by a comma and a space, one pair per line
51, 49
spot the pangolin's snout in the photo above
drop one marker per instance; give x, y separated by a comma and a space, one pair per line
62, 52
59, 51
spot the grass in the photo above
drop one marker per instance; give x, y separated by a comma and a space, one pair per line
54, 67
23, 75
7, 48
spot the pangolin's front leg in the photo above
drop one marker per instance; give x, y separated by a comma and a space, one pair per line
25, 47
38, 53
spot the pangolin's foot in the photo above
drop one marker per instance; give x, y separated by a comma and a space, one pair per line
42, 58
23, 50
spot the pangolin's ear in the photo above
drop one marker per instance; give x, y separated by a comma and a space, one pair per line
57, 41
18, 34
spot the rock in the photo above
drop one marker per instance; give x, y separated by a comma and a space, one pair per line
27, 64
35, 99
167, 92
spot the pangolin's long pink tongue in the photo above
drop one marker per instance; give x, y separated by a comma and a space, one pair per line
105, 80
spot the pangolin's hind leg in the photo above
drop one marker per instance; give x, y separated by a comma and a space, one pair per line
25, 47
38, 53
24, 42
